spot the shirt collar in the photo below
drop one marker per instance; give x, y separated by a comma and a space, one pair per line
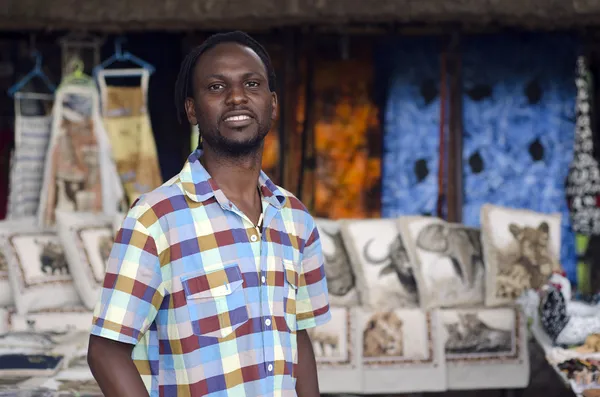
199, 186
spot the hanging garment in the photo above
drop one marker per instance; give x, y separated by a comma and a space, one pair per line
126, 120
518, 107
33, 121
80, 175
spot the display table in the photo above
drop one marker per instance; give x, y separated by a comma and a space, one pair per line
555, 356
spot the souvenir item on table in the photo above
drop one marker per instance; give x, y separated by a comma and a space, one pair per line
346, 141
87, 239
447, 261
411, 128
37, 268
564, 325
79, 172
33, 120
127, 123
521, 250
61, 320
337, 352
402, 350
341, 280
519, 125
26, 354
384, 274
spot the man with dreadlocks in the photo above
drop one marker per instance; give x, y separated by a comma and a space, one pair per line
214, 277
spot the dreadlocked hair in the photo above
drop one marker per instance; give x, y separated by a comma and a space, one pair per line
184, 85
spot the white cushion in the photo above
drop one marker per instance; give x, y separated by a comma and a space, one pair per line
447, 261
87, 239
513, 254
37, 268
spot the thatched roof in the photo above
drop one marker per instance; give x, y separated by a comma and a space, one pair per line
109, 15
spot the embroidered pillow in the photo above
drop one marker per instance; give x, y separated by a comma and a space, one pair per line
37, 267
447, 261
87, 239
521, 250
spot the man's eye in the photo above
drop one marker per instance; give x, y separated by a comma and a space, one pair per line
214, 87
252, 84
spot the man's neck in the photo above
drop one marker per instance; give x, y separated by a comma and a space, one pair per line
237, 177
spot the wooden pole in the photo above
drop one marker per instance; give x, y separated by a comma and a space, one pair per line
455, 149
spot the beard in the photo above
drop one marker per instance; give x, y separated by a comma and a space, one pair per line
232, 148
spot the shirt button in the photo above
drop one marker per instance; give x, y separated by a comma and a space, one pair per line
267, 322
253, 238
263, 279
270, 367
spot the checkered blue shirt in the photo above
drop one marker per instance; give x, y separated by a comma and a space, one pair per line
212, 306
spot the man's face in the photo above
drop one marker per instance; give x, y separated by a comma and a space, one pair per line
232, 106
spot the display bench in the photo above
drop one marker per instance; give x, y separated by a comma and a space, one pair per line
411, 350
359, 351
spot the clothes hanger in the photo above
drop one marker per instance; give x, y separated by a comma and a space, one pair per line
120, 56
36, 72
77, 76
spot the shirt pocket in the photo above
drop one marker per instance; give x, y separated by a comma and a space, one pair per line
216, 301
290, 290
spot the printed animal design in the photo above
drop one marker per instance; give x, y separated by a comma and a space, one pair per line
52, 258
383, 336
471, 335
533, 264
3, 263
105, 246
324, 343
461, 245
339, 274
396, 261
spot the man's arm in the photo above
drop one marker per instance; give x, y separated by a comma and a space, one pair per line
312, 309
131, 295
113, 368
307, 382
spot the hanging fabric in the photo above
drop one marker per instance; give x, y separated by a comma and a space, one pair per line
126, 120
583, 181
33, 120
80, 175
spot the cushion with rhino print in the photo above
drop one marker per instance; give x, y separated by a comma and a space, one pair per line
521, 250
87, 239
37, 268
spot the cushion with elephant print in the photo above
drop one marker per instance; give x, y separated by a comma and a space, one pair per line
447, 260
384, 274
37, 268
88, 240
521, 249
341, 280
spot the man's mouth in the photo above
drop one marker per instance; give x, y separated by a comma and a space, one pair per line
238, 118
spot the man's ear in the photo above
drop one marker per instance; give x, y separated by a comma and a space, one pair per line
274, 110
190, 110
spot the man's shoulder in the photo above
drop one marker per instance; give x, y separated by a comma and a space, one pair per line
158, 202
298, 210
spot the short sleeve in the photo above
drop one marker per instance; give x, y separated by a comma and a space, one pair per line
312, 299
132, 291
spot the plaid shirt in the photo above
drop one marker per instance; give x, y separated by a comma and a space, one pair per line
211, 306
